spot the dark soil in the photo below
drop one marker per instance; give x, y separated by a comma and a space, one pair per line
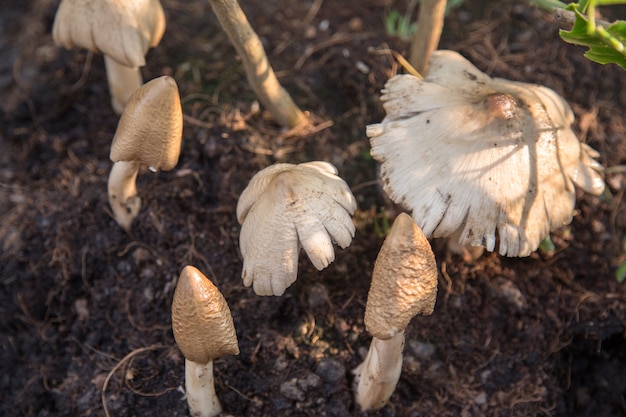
85, 307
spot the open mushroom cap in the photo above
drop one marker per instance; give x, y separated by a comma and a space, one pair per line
404, 280
151, 127
494, 158
201, 320
121, 29
287, 206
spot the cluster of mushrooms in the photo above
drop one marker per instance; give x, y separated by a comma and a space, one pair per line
488, 162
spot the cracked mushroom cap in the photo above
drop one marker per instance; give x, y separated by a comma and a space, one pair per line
121, 29
494, 158
285, 207
151, 127
201, 320
404, 280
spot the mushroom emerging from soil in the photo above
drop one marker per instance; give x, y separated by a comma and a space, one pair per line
122, 30
464, 151
149, 132
204, 331
404, 283
285, 207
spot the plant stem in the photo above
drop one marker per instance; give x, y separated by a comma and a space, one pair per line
258, 69
426, 37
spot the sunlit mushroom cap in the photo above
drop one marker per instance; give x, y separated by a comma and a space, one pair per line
404, 280
151, 127
464, 151
121, 29
287, 206
201, 320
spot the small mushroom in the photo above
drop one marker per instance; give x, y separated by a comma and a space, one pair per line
494, 158
404, 284
204, 331
285, 207
149, 132
121, 30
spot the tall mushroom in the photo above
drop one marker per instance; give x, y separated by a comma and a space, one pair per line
493, 158
285, 207
150, 133
404, 284
122, 30
204, 331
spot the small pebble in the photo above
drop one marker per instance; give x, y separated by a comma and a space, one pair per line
480, 398
330, 370
421, 350
82, 309
290, 390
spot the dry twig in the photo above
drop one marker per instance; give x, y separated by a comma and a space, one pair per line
118, 366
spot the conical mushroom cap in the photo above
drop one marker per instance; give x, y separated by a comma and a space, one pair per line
285, 207
494, 158
201, 320
120, 29
151, 127
404, 281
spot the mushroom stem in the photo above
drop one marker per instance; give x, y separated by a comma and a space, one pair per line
123, 81
200, 389
377, 376
122, 188
469, 253
426, 37
260, 74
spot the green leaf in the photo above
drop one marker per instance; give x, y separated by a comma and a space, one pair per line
452, 4
606, 45
582, 6
390, 22
546, 245
620, 273
608, 2
549, 5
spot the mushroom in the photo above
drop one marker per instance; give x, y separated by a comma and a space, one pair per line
285, 207
149, 132
462, 150
204, 331
119, 29
404, 284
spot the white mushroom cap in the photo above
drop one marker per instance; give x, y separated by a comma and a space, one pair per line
201, 320
464, 151
404, 280
151, 126
121, 29
286, 206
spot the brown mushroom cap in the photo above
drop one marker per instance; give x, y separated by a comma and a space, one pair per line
201, 320
404, 281
121, 29
151, 126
